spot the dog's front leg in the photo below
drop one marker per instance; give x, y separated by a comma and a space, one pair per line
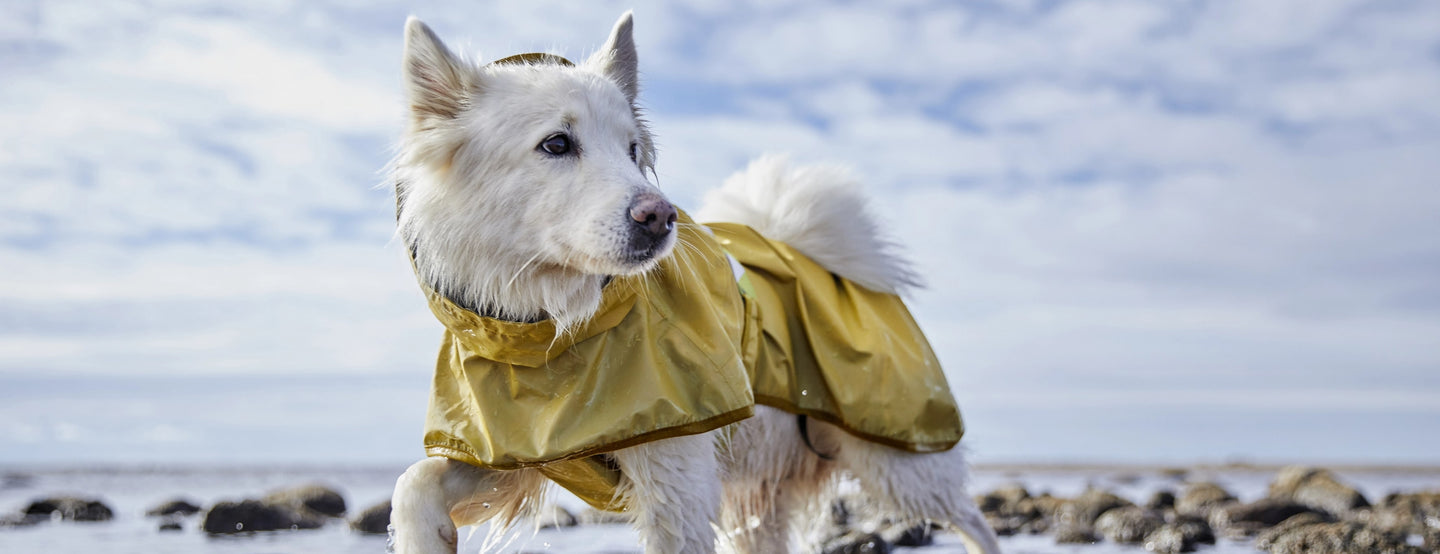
420, 521
672, 487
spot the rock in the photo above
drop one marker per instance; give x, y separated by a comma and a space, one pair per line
178, 506
1199, 498
555, 516
1267, 538
1075, 533
1011, 510
318, 499
1128, 524
856, 542
1316, 488
171, 525
1195, 529
1346, 537
1161, 500
1403, 513
69, 508
254, 515
1175, 473
1168, 539
375, 520
1248, 520
1088, 507
900, 534
16, 480
20, 520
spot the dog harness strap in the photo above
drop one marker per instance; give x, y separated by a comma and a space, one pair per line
804, 423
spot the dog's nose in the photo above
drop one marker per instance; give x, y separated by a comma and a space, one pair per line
654, 214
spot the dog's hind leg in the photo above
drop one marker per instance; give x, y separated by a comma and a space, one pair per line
672, 489
436, 495
916, 487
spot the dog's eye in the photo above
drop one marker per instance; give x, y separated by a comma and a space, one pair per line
634, 153
557, 144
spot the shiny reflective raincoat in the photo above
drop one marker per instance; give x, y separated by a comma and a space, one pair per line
685, 349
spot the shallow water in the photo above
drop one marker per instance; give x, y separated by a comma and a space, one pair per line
130, 492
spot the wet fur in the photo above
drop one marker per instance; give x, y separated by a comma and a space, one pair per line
501, 229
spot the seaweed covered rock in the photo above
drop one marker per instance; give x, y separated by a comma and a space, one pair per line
176, 507
1317, 488
1267, 538
1128, 524
1346, 537
1088, 507
1200, 498
1247, 520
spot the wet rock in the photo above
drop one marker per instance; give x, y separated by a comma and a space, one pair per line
1010, 510
375, 520
1248, 520
857, 543
20, 520
69, 508
1168, 539
170, 525
317, 499
1088, 507
1128, 524
1408, 513
1075, 533
554, 516
1175, 473
1161, 500
1195, 529
176, 507
1346, 537
1267, 538
1200, 498
1317, 488
254, 515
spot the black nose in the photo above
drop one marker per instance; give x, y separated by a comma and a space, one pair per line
654, 215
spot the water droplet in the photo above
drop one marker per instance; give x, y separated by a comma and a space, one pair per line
804, 392
485, 504
239, 526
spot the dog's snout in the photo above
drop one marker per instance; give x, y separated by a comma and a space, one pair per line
655, 215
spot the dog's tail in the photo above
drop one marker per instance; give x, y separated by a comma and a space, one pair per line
819, 210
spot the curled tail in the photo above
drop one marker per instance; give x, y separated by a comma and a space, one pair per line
819, 210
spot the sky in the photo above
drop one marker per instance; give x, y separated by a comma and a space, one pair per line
1153, 232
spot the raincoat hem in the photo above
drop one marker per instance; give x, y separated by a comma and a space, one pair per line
916, 447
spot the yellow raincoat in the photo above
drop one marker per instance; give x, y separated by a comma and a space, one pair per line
683, 350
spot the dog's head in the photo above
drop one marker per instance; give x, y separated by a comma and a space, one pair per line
518, 177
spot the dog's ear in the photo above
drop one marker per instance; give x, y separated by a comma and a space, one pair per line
438, 82
617, 58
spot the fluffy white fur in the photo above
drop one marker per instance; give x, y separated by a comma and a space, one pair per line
497, 225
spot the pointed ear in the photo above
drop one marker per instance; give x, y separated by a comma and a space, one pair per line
617, 58
438, 82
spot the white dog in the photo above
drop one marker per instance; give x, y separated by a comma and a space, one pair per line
522, 196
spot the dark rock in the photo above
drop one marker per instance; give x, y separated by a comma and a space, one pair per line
554, 516
20, 520
1168, 539
171, 525
1011, 510
1346, 537
15, 480
178, 506
1003, 498
1088, 507
254, 515
1200, 498
1075, 533
1267, 538
375, 520
1161, 500
70, 508
1195, 529
857, 543
318, 499
1128, 524
1316, 488
1248, 520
